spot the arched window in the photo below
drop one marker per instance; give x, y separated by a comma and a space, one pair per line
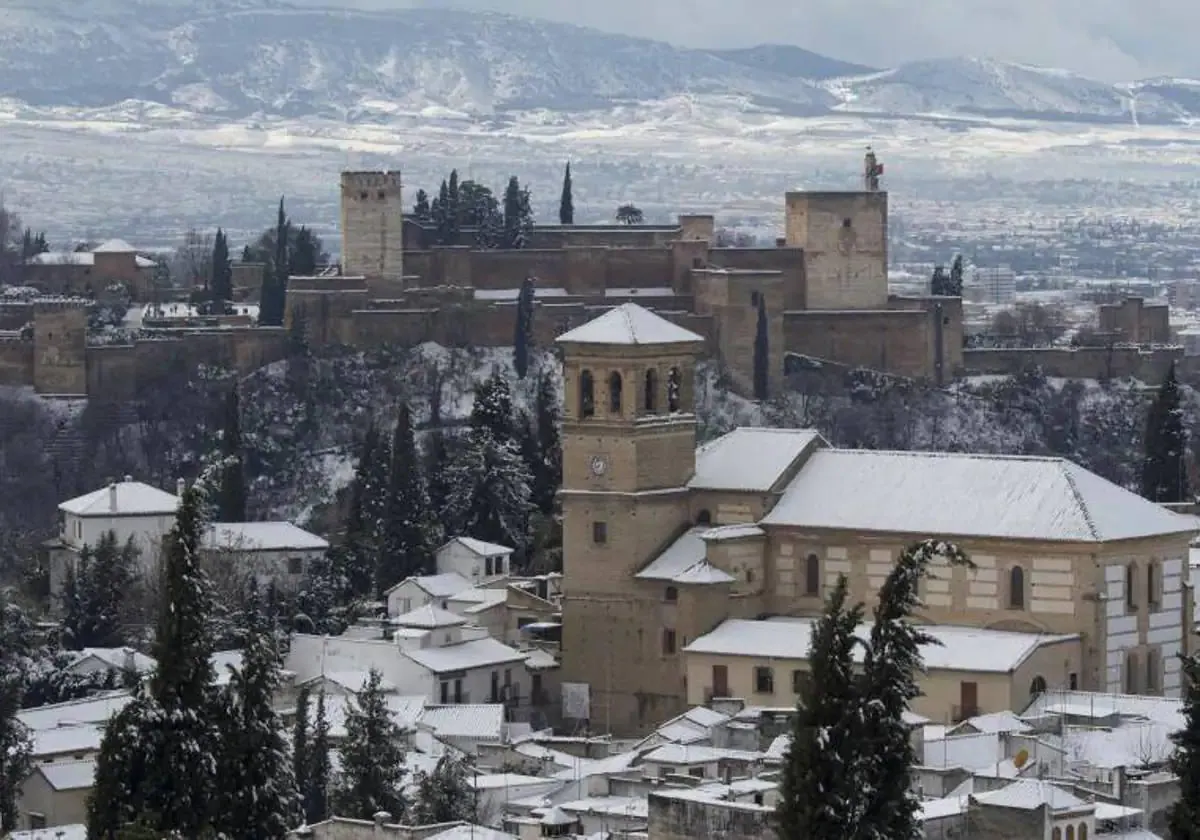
704, 517
1070, 832
587, 395
812, 575
673, 382
1083, 831
614, 392
1038, 686
671, 594
650, 391
1016, 588
1056, 834
1131, 586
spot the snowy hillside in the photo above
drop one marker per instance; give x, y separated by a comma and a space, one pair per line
984, 87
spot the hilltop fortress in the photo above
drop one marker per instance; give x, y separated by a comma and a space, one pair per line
823, 286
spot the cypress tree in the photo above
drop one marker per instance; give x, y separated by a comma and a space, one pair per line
372, 777
360, 543
547, 469
1183, 820
16, 643
820, 791
221, 288
523, 337
275, 280
939, 283
762, 356
566, 204
301, 749
258, 799
421, 211
316, 796
890, 670
406, 548
956, 276
159, 753
1164, 467
518, 215
454, 208
304, 256
442, 215
231, 494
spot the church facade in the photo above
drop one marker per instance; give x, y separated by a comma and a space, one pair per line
664, 540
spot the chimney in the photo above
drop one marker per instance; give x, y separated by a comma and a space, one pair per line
128, 479
112, 496
180, 486
380, 817
130, 661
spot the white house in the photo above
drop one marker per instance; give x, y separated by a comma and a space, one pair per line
273, 551
415, 592
130, 509
474, 559
91, 660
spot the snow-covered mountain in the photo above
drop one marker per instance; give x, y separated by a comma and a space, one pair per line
252, 58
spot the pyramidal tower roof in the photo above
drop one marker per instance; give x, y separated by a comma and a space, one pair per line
629, 324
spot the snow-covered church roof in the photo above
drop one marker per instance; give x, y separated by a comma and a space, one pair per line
959, 495
750, 459
629, 324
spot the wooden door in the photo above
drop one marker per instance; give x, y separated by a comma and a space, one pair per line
969, 699
720, 681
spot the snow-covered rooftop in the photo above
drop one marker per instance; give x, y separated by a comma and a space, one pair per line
960, 495
478, 653
114, 246
123, 498
465, 720
95, 709
1029, 794
74, 831
688, 754
477, 599
750, 459
629, 324
481, 547
994, 722
961, 648
115, 658
683, 562
471, 832
69, 775
437, 586
82, 258
261, 536
429, 617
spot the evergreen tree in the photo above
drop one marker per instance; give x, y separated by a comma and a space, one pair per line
820, 791
231, 494
95, 593
523, 337
321, 598
1164, 467
159, 753
546, 470
305, 255
316, 794
629, 214
407, 545
258, 797
274, 296
301, 748
221, 288
437, 457
493, 408
489, 494
16, 646
445, 795
889, 684
372, 777
421, 211
956, 276
364, 521
1183, 819
453, 203
443, 218
762, 356
518, 215
566, 204
939, 283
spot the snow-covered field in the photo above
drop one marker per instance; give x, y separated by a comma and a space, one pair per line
148, 172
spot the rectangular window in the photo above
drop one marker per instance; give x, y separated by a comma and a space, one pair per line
487, 566
445, 693
668, 642
295, 565
1151, 671
1073, 681
696, 772
600, 533
800, 682
764, 681
524, 621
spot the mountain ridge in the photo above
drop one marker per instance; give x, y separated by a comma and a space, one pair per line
263, 58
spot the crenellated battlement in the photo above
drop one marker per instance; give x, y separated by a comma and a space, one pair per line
387, 181
58, 304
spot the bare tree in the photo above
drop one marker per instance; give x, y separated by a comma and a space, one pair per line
191, 265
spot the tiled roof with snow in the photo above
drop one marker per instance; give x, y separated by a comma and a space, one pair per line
351, 681
478, 599
437, 586
115, 658
96, 709
629, 324
114, 246
428, 617
261, 536
995, 722
465, 720
123, 498
732, 532
961, 648
481, 547
479, 653
69, 738
683, 561
959, 495
750, 459
70, 775
1029, 794
686, 754
405, 711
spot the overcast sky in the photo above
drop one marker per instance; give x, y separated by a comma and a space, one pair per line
1107, 39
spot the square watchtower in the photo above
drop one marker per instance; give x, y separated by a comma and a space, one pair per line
373, 226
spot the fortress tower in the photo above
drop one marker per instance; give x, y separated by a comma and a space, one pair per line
60, 347
373, 226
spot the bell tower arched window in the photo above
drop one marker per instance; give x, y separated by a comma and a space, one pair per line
614, 392
650, 391
587, 395
1016, 588
674, 381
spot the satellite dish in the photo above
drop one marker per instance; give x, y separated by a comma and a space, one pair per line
1020, 758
